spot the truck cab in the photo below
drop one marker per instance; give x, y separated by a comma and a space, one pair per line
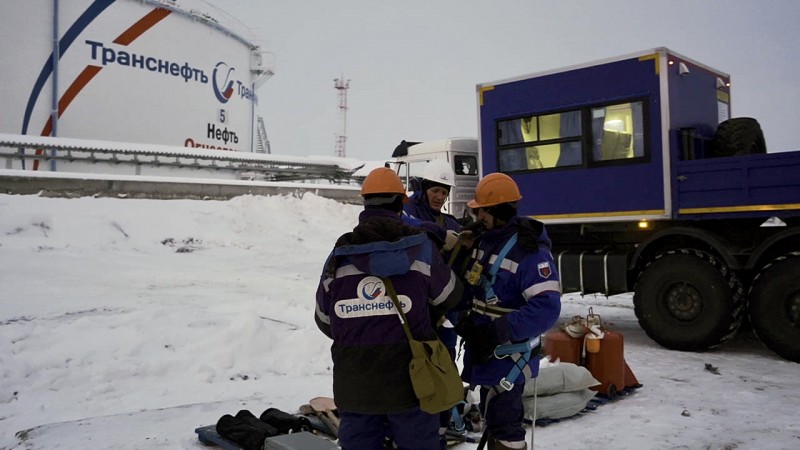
410, 158
647, 185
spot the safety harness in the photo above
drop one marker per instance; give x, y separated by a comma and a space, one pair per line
520, 352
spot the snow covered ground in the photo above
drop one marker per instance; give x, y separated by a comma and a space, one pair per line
128, 323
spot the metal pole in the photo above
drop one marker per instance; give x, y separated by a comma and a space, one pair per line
54, 110
533, 419
253, 129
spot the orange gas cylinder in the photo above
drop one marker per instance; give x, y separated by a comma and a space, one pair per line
607, 365
558, 345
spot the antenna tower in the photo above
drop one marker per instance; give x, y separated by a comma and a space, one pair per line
342, 86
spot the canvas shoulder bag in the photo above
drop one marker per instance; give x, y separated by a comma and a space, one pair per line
434, 375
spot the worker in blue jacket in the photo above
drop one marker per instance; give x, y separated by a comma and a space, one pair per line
517, 298
424, 210
427, 202
370, 351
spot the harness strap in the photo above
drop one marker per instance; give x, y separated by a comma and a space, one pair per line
454, 253
520, 347
488, 282
488, 310
458, 422
521, 354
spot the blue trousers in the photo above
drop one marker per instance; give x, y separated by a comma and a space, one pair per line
411, 430
505, 414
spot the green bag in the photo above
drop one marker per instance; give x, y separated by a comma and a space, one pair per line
434, 375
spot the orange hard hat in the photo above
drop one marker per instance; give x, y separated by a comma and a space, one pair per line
382, 180
494, 189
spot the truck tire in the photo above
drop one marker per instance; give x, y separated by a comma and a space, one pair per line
774, 306
688, 300
738, 136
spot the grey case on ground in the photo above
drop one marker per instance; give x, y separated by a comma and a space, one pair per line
299, 441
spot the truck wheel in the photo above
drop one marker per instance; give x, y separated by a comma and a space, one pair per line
774, 306
738, 136
688, 300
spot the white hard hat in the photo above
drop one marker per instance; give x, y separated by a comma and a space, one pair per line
439, 171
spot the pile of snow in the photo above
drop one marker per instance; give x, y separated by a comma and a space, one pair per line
128, 323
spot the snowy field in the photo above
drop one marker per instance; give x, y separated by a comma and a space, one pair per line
126, 324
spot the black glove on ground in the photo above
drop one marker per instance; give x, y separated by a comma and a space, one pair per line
480, 339
245, 429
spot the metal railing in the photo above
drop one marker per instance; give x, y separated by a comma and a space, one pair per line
21, 151
262, 142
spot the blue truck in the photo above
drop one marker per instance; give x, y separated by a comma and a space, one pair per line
648, 185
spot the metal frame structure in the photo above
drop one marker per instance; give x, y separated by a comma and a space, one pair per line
342, 86
247, 165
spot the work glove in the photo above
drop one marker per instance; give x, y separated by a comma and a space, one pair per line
450, 240
434, 232
466, 220
480, 339
471, 232
476, 228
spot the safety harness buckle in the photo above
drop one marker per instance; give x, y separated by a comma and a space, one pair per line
505, 384
521, 354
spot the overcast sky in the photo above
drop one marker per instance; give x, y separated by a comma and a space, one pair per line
413, 65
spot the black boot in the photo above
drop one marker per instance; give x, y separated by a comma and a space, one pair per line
496, 444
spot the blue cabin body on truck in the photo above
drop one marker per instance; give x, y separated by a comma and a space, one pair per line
636, 166
660, 180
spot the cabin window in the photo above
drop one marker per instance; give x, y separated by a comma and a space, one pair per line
410, 173
411, 169
465, 165
550, 140
590, 136
617, 132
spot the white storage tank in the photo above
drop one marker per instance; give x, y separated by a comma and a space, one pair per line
174, 73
